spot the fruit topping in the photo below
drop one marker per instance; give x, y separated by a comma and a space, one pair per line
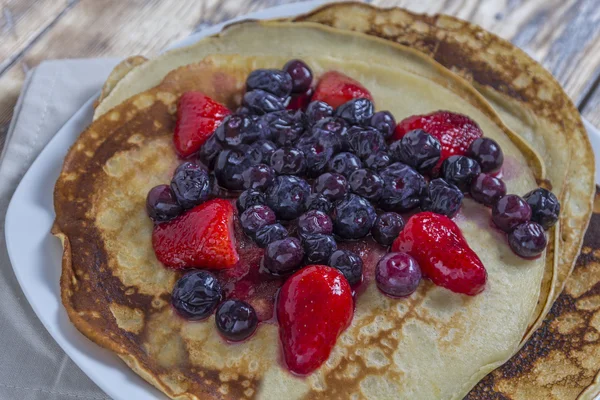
397, 274
261, 102
332, 132
387, 227
442, 198
384, 122
318, 247
487, 153
487, 189
353, 217
287, 196
161, 204
313, 308
349, 264
344, 163
442, 252
365, 141
282, 257
288, 161
201, 237
418, 149
356, 111
314, 221
510, 211
196, 295
319, 202
378, 160
229, 167
318, 110
239, 129
460, 171
261, 150
335, 89
269, 234
545, 207
209, 151
249, 198
528, 239
197, 118
366, 183
285, 126
259, 176
236, 320
403, 188
318, 153
299, 101
274, 81
301, 75
331, 185
190, 184
256, 217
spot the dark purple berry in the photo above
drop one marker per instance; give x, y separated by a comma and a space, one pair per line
353, 217
318, 110
249, 198
349, 264
318, 248
229, 167
403, 188
287, 196
418, 149
460, 171
487, 153
161, 204
387, 227
256, 217
545, 207
330, 132
510, 211
210, 151
365, 141
317, 155
356, 111
285, 126
261, 102
314, 221
196, 295
190, 184
236, 320
378, 160
487, 189
240, 129
259, 176
442, 197
366, 183
344, 163
397, 274
274, 81
301, 75
269, 234
384, 122
319, 202
261, 150
528, 240
331, 185
288, 161
284, 256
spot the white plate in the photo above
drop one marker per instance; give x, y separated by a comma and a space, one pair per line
36, 255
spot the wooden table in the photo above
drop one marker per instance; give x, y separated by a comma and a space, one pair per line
564, 35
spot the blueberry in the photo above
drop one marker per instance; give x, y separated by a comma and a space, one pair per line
270, 233
344, 163
528, 239
349, 264
332, 186
353, 217
236, 320
314, 221
460, 171
229, 167
545, 207
377, 161
510, 211
284, 256
366, 183
261, 150
240, 129
285, 126
260, 102
365, 141
318, 110
161, 204
249, 198
317, 154
190, 184
274, 81
288, 161
442, 197
256, 217
319, 202
318, 248
397, 274
418, 149
384, 122
331, 132
287, 196
301, 75
403, 188
196, 295
487, 189
210, 151
356, 111
387, 227
259, 176
487, 153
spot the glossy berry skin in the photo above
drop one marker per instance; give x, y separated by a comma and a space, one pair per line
318, 110
365, 141
282, 257
314, 306
384, 122
387, 227
318, 247
319, 202
356, 111
287, 196
299, 101
314, 221
274, 81
545, 207
460, 171
285, 126
335, 89
190, 184
442, 198
261, 150
269, 234
196, 295
331, 132
288, 161
317, 154
353, 217
487, 189
236, 320
418, 149
239, 129
256, 217
510, 211
261, 102
366, 183
528, 240
487, 153
349, 264
229, 167
443, 254
403, 188
249, 198
161, 204
378, 160
259, 177
344, 163
210, 151
397, 274
332, 186
301, 75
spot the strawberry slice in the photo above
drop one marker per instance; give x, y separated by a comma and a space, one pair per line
202, 237
314, 306
335, 88
197, 118
442, 252
454, 131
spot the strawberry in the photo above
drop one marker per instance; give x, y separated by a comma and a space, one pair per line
197, 118
335, 88
314, 306
454, 131
201, 237
442, 252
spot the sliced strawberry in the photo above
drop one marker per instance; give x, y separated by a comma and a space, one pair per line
442, 252
455, 132
314, 306
202, 237
197, 118
335, 88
